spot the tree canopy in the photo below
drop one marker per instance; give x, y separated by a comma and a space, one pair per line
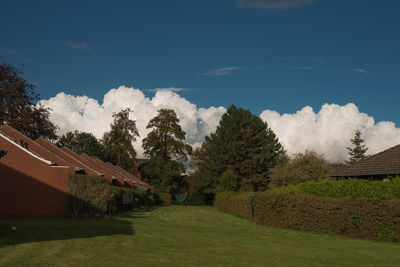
17, 107
167, 151
358, 151
81, 142
243, 144
117, 143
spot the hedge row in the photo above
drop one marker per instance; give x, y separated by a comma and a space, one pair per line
362, 217
347, 188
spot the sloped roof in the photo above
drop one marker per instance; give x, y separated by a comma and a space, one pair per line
386, 162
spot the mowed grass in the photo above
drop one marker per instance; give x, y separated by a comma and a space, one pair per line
180, 236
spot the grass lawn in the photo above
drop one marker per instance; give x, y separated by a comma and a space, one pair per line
180, 236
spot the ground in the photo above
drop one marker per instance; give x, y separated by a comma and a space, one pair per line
180, 236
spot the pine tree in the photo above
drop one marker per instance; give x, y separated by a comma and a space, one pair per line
118, 148
242, 143
357, 152
167, 151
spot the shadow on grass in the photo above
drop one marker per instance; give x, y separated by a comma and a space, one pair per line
138, 213
34, 230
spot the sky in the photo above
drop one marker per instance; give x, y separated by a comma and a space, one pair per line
314, 70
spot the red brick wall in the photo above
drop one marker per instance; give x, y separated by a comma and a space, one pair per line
30, 187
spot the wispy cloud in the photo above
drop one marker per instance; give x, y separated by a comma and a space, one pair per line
362, 71
79, 45
274, 4
11, 52
223, 71
319, 60
303, 68
171, 89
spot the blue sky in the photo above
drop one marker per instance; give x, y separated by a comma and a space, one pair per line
259, 54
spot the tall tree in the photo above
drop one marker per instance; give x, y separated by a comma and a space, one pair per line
117, 143
167, 151
358, 151
17, 107
244, 144
81, 142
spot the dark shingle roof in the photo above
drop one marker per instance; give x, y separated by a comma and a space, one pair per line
386, 162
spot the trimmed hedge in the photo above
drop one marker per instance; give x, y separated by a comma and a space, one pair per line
347, 188
362, 217
89, 196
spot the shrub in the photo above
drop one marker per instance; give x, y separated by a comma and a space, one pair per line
361, 217
140, 198
229, 181
347, 188
300, 168
165, 198
89, 195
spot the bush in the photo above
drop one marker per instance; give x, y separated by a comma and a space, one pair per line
301, 168
165, 198
347, 188
361, 217
229, 181
89, 195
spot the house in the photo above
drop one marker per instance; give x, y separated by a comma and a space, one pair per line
377, 167
31, 186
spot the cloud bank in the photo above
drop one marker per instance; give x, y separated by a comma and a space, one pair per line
87, 114
327, 131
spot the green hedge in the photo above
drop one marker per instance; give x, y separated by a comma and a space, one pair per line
347, 188
165, 198
140, 198
358, 217
89, 196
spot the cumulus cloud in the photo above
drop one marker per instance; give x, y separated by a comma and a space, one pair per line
222, 71
329, 131
87, 114
274, 4
79, 45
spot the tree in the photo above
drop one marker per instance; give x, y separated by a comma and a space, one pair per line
81, 142
302, 167
244, 144
357, 152
117, 143
167, 151
17, 107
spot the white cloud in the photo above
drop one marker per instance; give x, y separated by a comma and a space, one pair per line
362, 71
222, 71
319, 60
329, 131
274, 4
172, 89
79, 45
87, 114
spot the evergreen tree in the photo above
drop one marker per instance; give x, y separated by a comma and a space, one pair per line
17, 107
167, 151
81, 142
118, 148
357, 152
242, 143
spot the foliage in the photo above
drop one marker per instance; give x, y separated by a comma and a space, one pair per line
118, 148
347, 188
229, 181
165, 198
167, 151
300, 168
89, 195
81, 142
243, 143
357, 152
17, 107
361, 217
